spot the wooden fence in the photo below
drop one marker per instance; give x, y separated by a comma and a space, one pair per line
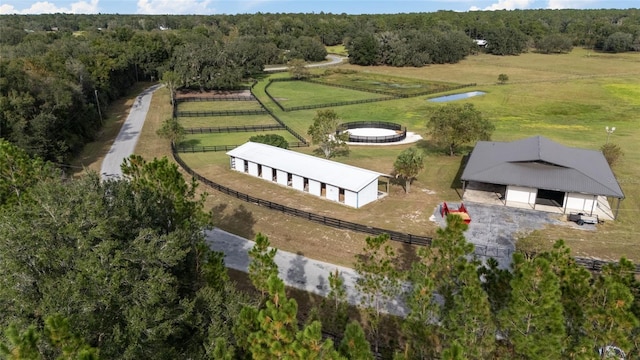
219, 113
230, 129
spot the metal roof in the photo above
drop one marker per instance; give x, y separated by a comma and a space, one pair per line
326, 171
538, 162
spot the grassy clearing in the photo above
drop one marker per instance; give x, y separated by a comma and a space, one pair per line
301, 93
376, 82
235, 138
218, 121
218, 105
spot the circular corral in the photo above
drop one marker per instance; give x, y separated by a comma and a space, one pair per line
374, 132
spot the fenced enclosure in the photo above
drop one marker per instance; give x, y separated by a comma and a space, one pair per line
401, 132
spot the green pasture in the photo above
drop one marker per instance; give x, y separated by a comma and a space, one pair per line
223, 105
301, 93
219, 121
234, 138
378, 82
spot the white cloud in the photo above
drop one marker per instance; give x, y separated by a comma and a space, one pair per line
506, 5
200, 7
45, 7
569, 4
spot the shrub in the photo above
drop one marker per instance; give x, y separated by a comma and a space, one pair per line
271, 139
611, 152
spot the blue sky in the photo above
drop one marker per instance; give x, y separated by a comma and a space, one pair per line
292, 6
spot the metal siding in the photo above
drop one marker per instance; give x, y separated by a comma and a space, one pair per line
314, 187
581, 202
333, 193
329, 172
253, 168
351, 198
368, 194
298, 182
521, 194
281, 177
267, 173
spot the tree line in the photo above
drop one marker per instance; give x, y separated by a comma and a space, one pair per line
120, 269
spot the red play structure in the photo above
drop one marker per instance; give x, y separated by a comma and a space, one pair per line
460, 211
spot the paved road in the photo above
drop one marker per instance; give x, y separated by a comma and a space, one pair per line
295, 270
126, 141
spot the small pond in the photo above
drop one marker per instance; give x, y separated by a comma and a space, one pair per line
457, 96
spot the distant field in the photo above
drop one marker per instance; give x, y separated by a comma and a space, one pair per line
390, 84
569, 98
218, 121
218, 105
235, 138
300, 93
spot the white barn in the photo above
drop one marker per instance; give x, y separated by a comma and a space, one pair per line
539, 172
345, 184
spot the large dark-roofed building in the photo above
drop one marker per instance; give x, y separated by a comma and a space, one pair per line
538, 171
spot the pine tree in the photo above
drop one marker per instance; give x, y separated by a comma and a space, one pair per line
467, 319
277, 325
334, 307
533, 322
262, 265
354, 344
310, 346
609, 314
378, 281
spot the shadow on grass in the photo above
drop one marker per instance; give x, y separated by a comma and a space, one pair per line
239, 221
190, 142
456, 183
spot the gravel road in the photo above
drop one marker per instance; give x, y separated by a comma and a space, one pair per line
126, 141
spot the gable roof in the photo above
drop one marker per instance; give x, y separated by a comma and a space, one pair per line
326, 171
538, 162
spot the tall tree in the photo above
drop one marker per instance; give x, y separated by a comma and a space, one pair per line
171, 80
533, 322
262, 265
19, 172
354, 344
334, 308
172, 130
408, 165
325, 132
298, 69
379, 281
453, 125
610, 319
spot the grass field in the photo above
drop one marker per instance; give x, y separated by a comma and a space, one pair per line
219, 121
386, 83
301, 93
235, 138
569, 98
218, 105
